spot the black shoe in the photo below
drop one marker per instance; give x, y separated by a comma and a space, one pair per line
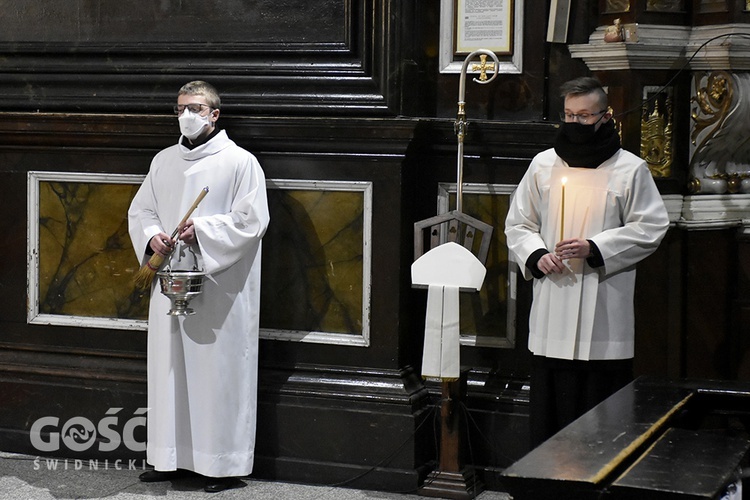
217, 484
155, 476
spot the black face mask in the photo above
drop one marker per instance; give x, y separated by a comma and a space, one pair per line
578, 133
584, 146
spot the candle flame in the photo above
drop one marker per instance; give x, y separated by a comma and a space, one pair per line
564, 180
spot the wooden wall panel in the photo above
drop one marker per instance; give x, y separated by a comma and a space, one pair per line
170, 21
710, 281
266, 57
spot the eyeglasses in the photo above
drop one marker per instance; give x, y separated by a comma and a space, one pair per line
193, 108
580, 117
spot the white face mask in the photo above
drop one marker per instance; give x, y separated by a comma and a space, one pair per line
192, 124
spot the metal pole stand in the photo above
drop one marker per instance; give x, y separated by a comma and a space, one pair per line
452, 479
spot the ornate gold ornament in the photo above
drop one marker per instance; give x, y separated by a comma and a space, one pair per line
714, 101
483, 67
656, 139
720, 160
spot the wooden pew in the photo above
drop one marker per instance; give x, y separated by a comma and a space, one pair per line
653, 439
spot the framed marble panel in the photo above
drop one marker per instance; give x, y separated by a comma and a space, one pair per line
616, 6
665, 6
80, 260
316, 259
505, 17
712, 6
316, 262
487, 317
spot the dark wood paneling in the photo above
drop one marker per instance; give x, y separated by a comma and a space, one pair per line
710, 281
739, 345
174, 21
658, 306
274, 58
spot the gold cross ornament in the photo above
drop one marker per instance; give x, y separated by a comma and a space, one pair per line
483, 67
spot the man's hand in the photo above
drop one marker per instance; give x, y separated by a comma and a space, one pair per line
161, 244
550, 263
187, 232
573, 248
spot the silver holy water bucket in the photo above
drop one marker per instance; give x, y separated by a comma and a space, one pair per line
180, 287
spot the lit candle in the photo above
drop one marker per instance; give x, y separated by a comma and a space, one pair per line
562, 209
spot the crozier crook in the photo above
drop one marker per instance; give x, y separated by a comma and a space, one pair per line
461, 123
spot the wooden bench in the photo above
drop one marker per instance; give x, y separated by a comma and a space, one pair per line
654, 439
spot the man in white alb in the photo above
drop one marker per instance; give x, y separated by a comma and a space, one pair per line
584, 214
202, 368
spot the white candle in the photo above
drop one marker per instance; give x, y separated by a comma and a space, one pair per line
562, 209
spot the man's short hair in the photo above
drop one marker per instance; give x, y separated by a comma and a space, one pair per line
205, 89
583, 86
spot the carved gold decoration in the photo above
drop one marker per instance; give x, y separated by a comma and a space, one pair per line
618, 125
656, 139
713, 101
720, 156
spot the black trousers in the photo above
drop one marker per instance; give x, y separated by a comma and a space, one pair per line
562, 390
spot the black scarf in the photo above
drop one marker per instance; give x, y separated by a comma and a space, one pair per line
592, 153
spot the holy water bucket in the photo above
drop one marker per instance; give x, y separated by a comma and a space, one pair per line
181, 287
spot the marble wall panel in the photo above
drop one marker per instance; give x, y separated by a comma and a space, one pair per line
316, 262
488, 317
82, 264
